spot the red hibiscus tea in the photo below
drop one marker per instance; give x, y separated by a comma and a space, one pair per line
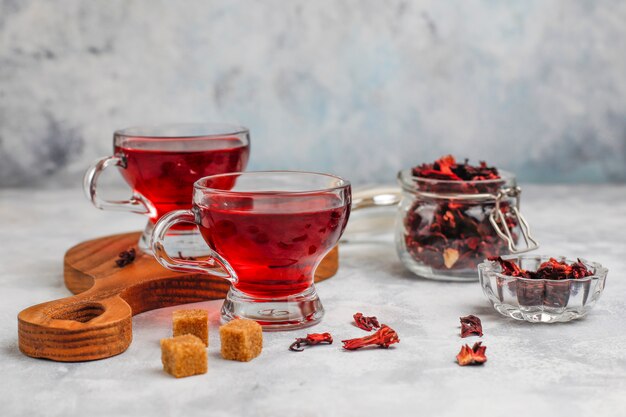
163, 170
275, 244
268, 232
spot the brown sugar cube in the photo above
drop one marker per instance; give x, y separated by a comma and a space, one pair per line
242, 340
183, 356
193, 322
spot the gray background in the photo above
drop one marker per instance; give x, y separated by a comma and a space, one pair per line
359, 88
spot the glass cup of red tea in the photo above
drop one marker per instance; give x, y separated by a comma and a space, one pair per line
267, 231
161, 164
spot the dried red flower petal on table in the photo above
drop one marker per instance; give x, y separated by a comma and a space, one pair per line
366, 323
471, 325
472, 356
310, 340
551, 269
126, 257
384, 337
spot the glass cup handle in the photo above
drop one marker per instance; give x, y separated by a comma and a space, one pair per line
136, 203
215, 265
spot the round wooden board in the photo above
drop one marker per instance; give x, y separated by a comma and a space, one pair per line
96, 323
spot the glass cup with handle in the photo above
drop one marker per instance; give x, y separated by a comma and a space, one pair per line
161, 164
268, 232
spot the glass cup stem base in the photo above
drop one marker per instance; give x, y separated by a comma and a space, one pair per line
275, 314
186, 243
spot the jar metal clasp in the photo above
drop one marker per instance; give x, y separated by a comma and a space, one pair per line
498, 220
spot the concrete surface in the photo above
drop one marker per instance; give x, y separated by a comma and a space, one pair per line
573, 369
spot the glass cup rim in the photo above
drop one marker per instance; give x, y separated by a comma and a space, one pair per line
213, 130
198, 185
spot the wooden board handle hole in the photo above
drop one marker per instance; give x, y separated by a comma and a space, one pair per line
82, 312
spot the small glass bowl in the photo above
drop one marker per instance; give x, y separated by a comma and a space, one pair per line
541, 300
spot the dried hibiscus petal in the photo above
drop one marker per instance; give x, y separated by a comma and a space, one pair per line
366, 323
552, 269
471, 326
447, 168
384, 337
509, 267
472, 356
126, 257
310, 340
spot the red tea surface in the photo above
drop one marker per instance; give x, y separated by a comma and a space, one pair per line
273, 243
164, 170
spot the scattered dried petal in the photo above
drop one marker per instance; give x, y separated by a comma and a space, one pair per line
126, 257
384, 337
471, 325
472, 356
366, 323
310, 340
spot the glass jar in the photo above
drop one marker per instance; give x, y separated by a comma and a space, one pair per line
444, 229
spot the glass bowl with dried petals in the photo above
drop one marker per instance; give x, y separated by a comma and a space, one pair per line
541, 289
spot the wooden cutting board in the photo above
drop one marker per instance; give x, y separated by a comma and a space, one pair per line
96, 323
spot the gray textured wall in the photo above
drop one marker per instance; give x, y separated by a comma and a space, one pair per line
360, 88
